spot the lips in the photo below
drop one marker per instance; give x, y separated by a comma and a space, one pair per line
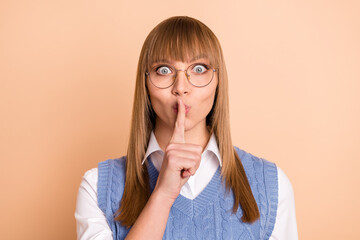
175, 108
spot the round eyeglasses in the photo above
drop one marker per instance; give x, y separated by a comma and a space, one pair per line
164, 76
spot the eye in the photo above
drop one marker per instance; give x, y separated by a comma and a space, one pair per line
199, 68
163, 70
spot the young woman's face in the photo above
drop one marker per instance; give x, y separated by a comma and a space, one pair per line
198, 100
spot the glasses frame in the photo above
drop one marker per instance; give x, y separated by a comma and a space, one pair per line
186, 74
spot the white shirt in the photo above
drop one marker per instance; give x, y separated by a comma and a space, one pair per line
92, 223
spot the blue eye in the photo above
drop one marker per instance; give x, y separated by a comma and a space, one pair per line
163, 70
199, 68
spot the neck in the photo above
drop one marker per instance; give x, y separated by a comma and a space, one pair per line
198, 135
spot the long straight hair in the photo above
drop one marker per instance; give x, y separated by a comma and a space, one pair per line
181, 38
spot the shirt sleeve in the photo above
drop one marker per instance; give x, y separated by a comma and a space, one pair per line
285, 223
91, 222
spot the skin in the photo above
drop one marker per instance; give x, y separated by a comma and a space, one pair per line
182, 134
199, 101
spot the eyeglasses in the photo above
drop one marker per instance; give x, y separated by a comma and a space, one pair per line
164, 76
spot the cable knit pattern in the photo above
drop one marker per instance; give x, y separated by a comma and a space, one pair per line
180, 228
204, 223
225, 221
111, 182
271, 180
209, 215
261, 191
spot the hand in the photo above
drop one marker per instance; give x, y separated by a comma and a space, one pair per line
181, 160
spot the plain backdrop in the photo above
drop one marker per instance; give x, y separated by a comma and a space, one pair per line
67, 72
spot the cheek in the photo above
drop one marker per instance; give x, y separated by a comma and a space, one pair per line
210, 103
155, 103
154, 97
206, 104
159, 104
208, 99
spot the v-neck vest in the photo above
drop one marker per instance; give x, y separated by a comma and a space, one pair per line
209, 215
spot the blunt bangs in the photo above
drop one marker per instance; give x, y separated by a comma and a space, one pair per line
181, 39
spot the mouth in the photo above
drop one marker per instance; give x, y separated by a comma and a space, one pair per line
175, 108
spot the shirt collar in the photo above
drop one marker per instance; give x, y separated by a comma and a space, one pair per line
153, 146
212, 146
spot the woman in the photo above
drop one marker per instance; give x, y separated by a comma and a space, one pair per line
182, 178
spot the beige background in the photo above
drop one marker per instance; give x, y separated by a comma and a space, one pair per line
67, 71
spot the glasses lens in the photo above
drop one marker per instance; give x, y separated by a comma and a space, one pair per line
162, 76
200, 74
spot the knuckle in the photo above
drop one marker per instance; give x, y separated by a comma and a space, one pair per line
170, 156
168, 152
169, 147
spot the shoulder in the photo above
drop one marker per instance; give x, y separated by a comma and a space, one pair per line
91, 175
111, 181
286, 192
255, 163
261, 173
285, 224
111, 169
90, 220
88, 185
110, 164
263, 179
257, 166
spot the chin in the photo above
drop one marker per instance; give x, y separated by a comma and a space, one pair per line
189, 125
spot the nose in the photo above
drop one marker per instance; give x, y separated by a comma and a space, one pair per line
181, 85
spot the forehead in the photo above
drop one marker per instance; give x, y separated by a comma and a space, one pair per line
202, 58
180, 63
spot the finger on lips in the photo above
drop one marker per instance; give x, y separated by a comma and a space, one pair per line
179, 129
185, 156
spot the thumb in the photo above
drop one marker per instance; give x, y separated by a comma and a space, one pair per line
179, 128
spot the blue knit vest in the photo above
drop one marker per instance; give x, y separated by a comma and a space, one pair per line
209, 215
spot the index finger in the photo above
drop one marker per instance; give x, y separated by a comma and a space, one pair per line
179, 128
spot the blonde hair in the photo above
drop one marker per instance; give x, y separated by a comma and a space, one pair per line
181, 38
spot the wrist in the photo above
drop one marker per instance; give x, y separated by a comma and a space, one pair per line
162, 199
